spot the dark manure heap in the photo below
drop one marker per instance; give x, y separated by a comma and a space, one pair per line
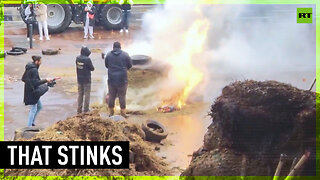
252, 124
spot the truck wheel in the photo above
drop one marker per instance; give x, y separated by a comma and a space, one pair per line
59, 17
111, 16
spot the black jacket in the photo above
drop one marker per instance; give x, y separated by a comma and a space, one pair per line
84, 66
126, 7
91, 21
32, 81
118, 62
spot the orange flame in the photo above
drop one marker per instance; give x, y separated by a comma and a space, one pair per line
181, 63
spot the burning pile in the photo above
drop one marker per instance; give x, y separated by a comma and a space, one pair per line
252, 124
94, 128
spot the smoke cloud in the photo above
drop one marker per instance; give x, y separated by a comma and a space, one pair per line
259, 42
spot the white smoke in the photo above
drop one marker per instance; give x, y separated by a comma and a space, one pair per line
260, 42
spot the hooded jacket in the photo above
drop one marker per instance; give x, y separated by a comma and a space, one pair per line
84, 66
118, 62
32, 81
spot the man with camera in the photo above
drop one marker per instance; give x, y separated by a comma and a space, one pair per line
34, 88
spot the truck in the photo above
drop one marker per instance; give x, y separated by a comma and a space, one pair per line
62, 12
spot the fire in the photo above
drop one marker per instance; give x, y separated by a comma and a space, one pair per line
181, 63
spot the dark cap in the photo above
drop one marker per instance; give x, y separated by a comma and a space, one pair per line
116, 45
36, 58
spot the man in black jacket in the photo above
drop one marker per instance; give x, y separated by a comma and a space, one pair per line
117, 62
32, 81
84, 68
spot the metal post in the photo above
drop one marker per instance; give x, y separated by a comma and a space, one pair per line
314, 81
30, 26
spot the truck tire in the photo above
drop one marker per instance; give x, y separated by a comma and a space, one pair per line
59, 17
155, 132
111, 16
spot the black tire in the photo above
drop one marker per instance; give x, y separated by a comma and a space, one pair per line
115, 16
50, 51
59, 27
155, 132
15, 52
140, 59
19, 48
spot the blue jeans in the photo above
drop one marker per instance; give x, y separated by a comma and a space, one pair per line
34, 112
125, 16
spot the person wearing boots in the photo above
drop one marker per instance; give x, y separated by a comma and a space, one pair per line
117, 62
84, 67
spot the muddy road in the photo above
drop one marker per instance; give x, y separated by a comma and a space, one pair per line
186, 127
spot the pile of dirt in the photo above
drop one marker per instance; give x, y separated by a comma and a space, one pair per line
91, 127
252, 124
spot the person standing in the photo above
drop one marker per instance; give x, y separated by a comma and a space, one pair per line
84, 67
41, 16
126, 8
117, 62
29, 12
89, 20
32, 81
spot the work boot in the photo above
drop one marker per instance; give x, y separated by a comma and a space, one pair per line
111, 112
123, 113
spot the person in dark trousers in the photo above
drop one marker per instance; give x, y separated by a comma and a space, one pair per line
84, 67
126, 8
32, 81
118, 63
30, 18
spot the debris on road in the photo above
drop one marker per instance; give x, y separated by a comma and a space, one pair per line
51, 51
167, 109
259, 120
155, 132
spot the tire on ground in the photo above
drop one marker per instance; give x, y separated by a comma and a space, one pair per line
50, 51
155, 132
140, 59
15, 52
58, 25
111, 16
19, 48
